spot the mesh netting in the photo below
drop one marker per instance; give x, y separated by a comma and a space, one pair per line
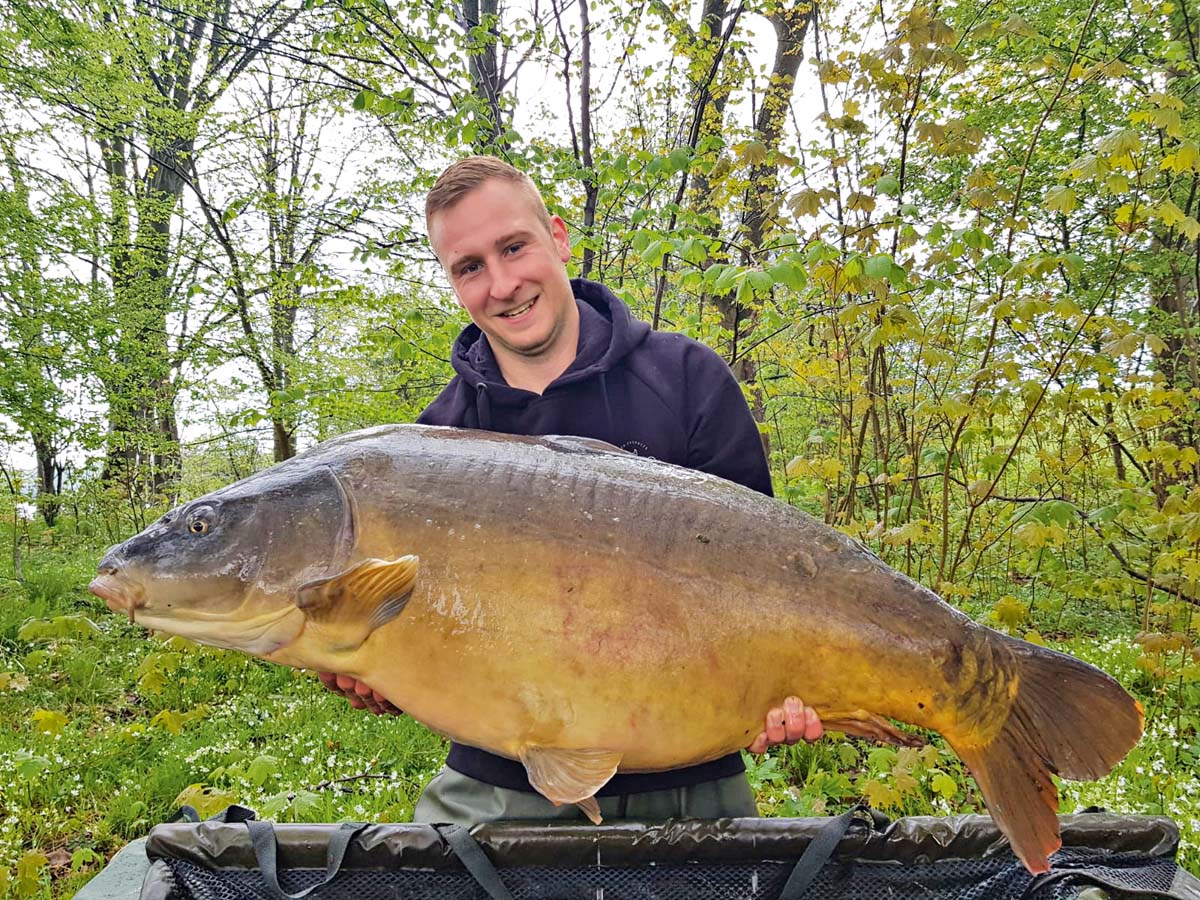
1123, 875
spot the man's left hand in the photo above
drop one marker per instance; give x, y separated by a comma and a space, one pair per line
788, 724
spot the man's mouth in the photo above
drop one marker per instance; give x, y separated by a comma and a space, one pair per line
520, 310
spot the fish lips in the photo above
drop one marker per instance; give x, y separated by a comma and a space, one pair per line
118, 593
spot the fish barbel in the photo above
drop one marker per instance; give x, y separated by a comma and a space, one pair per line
587, 611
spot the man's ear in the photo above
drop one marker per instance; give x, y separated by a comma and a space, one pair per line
562, 239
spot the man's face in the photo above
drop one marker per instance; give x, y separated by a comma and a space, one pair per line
507, 271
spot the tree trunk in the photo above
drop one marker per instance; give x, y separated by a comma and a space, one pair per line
480, 19
762, 197
50, 472
1176, 295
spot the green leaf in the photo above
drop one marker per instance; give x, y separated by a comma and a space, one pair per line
1106, 513
753, 152
656, 251
29, 766
805, 203
273, 805
85, 856
879, 266
1060, 199
207, 801
1061, 512
47, 721
789, 274
880, 795
29, 871
726, 280
170, 720
1009, 612
1170, 214
888, 185
262, 768
761, 282
881, 759
943, 785
306, 803
364, 99
74, 626
1120, 142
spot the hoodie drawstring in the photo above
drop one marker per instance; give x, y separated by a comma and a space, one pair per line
608, 413
483, 407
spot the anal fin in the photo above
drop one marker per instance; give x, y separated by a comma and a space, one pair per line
861, 723
591, 809
570, 776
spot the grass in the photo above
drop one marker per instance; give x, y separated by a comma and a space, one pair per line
106, 732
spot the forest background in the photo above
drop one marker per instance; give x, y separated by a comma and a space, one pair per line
951, 250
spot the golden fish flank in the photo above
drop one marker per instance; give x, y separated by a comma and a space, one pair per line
400, 556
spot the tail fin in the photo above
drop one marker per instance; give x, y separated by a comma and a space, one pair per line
1068, 718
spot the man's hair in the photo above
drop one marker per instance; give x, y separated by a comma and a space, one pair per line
467, 174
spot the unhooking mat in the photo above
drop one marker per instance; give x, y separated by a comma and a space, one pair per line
857, 855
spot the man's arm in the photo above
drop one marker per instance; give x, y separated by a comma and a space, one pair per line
723, 438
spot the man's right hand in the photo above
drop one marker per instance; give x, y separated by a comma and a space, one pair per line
359, 693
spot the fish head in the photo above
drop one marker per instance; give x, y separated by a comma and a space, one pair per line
224, 569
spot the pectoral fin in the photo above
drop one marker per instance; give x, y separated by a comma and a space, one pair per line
352, 604
570, 776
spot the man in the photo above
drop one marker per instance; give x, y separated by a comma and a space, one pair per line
548, 355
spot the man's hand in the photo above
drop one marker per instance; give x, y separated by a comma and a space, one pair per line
787, 725
360, 694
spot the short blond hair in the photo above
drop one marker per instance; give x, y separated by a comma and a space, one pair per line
467, 174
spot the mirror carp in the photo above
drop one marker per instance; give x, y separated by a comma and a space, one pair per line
583, 610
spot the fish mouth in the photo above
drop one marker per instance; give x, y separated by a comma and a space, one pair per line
118, 594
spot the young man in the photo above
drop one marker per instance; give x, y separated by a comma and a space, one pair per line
551, 355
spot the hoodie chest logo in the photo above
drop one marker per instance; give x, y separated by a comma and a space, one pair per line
637, 448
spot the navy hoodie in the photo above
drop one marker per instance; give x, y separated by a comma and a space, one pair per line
650, 392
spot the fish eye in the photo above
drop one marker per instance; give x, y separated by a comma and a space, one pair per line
200, 520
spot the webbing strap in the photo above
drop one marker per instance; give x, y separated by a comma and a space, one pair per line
471, 855
816, 854
232, 814
262, 836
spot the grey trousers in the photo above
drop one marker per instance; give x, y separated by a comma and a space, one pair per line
457, 799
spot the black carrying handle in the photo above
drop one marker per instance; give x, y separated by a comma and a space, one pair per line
820, 850
262, 836
232, 813
471, 855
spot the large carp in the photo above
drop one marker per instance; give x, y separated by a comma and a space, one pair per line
585, 611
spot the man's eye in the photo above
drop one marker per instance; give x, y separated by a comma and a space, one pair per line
469, 269
515, 248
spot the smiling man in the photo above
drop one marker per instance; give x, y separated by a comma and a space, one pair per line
547, 354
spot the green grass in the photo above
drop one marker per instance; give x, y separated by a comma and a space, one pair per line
106, 730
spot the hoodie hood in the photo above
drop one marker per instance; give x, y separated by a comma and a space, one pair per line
608, 332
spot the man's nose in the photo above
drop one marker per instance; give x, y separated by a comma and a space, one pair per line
505, 281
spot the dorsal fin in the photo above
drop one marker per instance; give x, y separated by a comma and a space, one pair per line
572, 443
